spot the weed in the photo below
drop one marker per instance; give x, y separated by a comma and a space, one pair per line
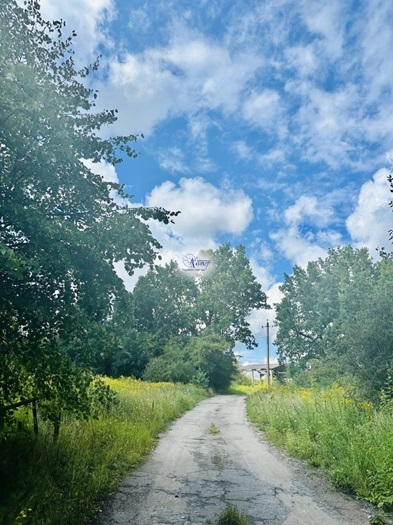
213, 429
230, 516
246, 389
378, 519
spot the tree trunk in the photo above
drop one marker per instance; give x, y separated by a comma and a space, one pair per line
35, 419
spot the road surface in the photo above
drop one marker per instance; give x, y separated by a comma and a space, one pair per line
213, 457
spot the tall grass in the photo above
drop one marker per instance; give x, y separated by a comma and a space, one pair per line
347, 438
46, 483
241, 389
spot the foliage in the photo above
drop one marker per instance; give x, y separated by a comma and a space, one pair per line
172, 303
228, 293
61, 231
378, 519
62, 483
191, 323
334, 319
164, 302
205, 360
334, 430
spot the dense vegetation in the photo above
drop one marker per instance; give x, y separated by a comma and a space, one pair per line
334, 430
334, 321
190, 325
46, 483
61, 231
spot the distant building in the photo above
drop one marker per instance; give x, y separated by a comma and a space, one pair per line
257, 371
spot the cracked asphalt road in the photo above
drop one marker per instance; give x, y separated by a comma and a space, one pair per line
195, 472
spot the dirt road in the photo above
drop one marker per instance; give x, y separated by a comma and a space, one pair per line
213, 457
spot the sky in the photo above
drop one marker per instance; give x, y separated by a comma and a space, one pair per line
266, 123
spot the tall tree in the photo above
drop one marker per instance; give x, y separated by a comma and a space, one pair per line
193, 320
335, 315
228, 292
60, 229
369, 335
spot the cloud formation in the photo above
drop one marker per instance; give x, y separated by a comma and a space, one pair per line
372, 218
206, 210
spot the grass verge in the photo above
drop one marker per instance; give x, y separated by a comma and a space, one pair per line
43, 483
347, 438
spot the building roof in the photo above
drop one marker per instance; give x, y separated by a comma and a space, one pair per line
261, 366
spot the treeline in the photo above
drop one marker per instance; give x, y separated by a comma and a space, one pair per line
335, 321
182, 327
64, 312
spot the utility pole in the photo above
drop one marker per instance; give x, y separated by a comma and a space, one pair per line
267, 354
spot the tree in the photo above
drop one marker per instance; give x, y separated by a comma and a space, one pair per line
165, 301
227, 294
60, 229
318, 299
207, 360
195, 320
334, 317
369, 336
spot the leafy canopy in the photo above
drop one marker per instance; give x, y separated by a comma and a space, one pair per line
61, 231
335, 315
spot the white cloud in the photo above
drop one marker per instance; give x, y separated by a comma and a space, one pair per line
338, 94
264, 109
303, 58
206, 209
173, 160
326, 19
187, 76
330, 124
304, 238
376, 42
297, 247
207, 212
372, 217
266, 253
262, 274
140, 20
273, 156
308, 207
243, 150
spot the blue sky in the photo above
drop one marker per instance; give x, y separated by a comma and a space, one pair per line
267, 123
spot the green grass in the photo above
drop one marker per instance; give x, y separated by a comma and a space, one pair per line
230, 516
347, 438
42, 483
